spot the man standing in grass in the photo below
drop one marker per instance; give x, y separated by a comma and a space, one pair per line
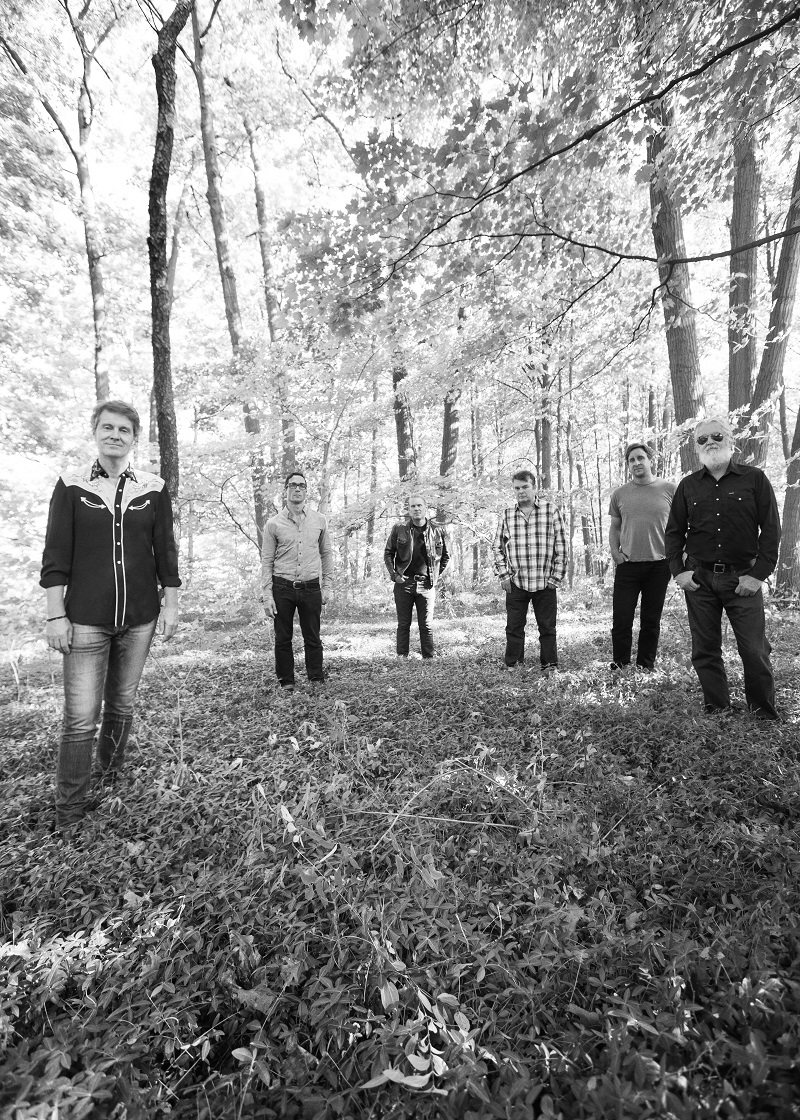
722, 544
639, 512
530, 560
297, 575
415, 556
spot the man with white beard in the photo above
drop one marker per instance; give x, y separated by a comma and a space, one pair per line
722, 544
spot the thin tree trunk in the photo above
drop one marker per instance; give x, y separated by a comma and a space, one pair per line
288, 432
373, 486
676, 292
404, 424
160, 290
219, 224
787, 576
743, 270
770, 374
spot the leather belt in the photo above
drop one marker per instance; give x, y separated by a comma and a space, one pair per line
300, 584
715, 567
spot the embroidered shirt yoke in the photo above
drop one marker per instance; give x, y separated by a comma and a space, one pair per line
111, 542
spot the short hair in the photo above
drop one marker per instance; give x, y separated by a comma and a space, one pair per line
524, 476
292, 474
632, 447
122, 408
721, 422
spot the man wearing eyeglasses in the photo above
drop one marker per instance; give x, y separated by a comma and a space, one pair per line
722, 544
297, 575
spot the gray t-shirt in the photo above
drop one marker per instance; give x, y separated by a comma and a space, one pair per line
643, 511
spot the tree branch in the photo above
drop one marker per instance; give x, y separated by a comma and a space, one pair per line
589, 134
47, 105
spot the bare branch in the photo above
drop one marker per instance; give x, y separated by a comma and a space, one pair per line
48, 106
210, 19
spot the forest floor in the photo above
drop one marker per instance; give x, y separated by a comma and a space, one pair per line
431, 889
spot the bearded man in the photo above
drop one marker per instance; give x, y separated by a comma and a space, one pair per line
722, 544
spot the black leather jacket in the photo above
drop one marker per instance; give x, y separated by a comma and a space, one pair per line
400, 546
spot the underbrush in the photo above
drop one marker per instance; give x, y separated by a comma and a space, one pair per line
431, 890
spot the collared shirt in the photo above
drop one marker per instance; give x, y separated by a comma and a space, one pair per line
531, 548
111, 542
296, 550
731, 521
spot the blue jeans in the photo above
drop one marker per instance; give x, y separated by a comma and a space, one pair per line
407, 596
307, 601
648, 578
545, 606
717, 593
101, 671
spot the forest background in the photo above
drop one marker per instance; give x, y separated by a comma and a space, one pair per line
399, 244
389, 243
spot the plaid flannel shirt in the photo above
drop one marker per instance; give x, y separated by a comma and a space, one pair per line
532, 550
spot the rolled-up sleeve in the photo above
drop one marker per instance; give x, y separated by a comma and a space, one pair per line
267, 559
326, 556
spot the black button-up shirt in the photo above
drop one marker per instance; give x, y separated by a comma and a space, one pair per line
731, 521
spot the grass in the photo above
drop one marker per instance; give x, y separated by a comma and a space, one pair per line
432, 890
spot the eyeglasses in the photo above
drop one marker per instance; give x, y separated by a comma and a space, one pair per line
717, 437
296, 486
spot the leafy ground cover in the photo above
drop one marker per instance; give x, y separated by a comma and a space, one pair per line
432, 889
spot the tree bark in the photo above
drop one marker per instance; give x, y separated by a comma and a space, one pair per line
404, 424
227, 275
675, 288
743, 270
160, 291
787, 575
770, 373
288, 433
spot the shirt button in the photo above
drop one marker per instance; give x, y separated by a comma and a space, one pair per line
119, 561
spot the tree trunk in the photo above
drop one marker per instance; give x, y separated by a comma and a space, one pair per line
743, 271
787, 575
288, 433
404, 423
160, 292
451, 430
227, 275
676, 292
476, 456
373, 486
773, 356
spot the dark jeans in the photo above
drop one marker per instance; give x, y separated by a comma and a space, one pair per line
307, 601
407, 596
746, 616
101, 671
648, 578
545, 605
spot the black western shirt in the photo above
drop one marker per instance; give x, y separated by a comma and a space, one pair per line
112, 544
731, 521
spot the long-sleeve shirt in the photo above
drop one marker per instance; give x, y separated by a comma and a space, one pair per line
531, 549
296, 550
731, 521
111, 542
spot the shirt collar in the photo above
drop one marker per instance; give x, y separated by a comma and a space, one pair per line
99, 471
732, 467
535, 506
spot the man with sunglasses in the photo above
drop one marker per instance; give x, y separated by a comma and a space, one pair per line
297, 575
722, 544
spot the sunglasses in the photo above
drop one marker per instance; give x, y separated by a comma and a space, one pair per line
717, 437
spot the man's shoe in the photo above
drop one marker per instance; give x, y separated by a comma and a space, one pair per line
549, 670
504, 668
316, 685
723, 713
287, 689
617, 666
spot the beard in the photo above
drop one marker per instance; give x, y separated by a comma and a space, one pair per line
714, 455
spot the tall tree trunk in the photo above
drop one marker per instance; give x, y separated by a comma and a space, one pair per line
743, 270
770, 373
288, 433
676, 292
404, 423
160, 289
787, 576
451, 430
227, 275
476, 456
373, 486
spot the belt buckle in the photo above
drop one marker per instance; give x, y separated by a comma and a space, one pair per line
298, 583
719, 569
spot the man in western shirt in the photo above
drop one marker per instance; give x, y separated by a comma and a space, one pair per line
530, 560
722, 544
415, 556
638, 512
297, 575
